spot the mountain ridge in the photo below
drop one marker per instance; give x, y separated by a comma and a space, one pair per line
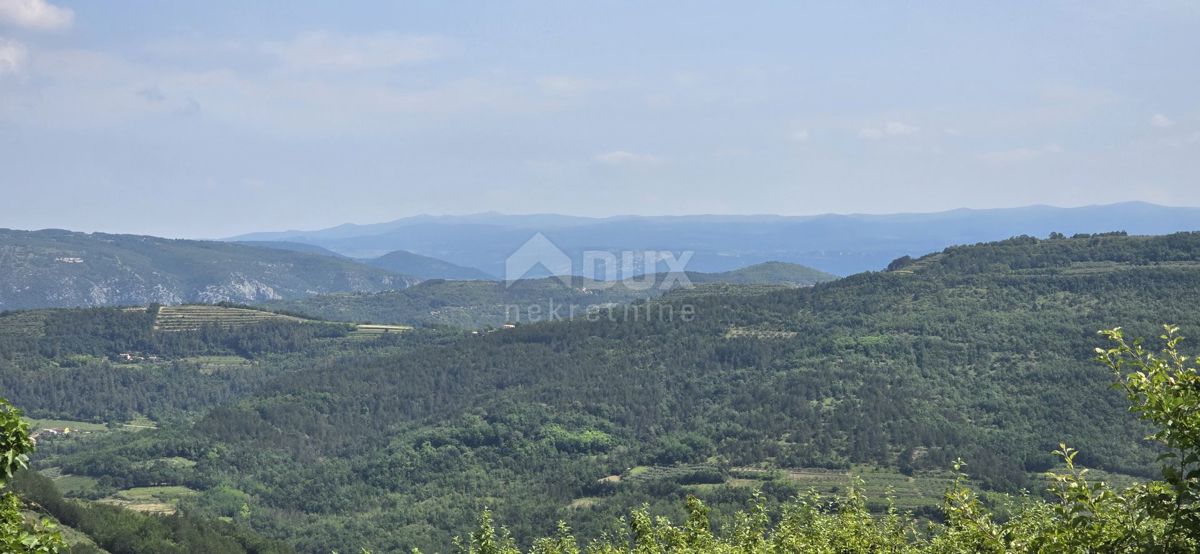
58, 268
841, 244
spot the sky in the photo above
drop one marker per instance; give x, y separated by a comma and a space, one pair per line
209, 119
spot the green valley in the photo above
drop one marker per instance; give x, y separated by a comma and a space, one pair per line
330, 441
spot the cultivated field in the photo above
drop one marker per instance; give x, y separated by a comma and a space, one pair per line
195, 316
162, 500
366, 330
22, 324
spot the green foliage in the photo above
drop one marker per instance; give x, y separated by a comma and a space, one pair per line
66, 363
1164, 388
16, 535
1081, 516
123, 531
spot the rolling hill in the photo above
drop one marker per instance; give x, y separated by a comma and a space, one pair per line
425, 267
475, 304
54, 268
292, 246
766, 273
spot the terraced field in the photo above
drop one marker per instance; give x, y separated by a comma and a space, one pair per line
679, 473
918, 492
22, 324
195, 316
370, 330
921, 490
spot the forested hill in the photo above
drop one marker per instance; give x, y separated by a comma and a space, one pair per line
424, 267
54, 268
981, 352
292, 246
476, 304
766, 273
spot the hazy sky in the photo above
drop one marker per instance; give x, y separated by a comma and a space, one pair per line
211, 118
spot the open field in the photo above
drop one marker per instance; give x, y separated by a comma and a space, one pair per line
224, 360
173, 461
371, 330
37, 424
140, 422
68, 484
196, 316
159, 500
75, 485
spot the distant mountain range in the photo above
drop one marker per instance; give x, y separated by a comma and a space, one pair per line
839, 244
55, 268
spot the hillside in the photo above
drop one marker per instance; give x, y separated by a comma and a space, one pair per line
467, 304
54, 268
474, 304
766, 273
425, 267
982, 352
291, 246
841, 244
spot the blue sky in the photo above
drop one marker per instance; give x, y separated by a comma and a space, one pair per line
207, 119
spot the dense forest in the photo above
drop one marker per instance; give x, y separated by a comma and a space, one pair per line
71, 362
331, 442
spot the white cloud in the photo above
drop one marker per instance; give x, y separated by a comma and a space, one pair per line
12, 56
801, 135
897, 128
327, 51
621, 157
1019, 155
891, 128
35, 14
1161, 121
